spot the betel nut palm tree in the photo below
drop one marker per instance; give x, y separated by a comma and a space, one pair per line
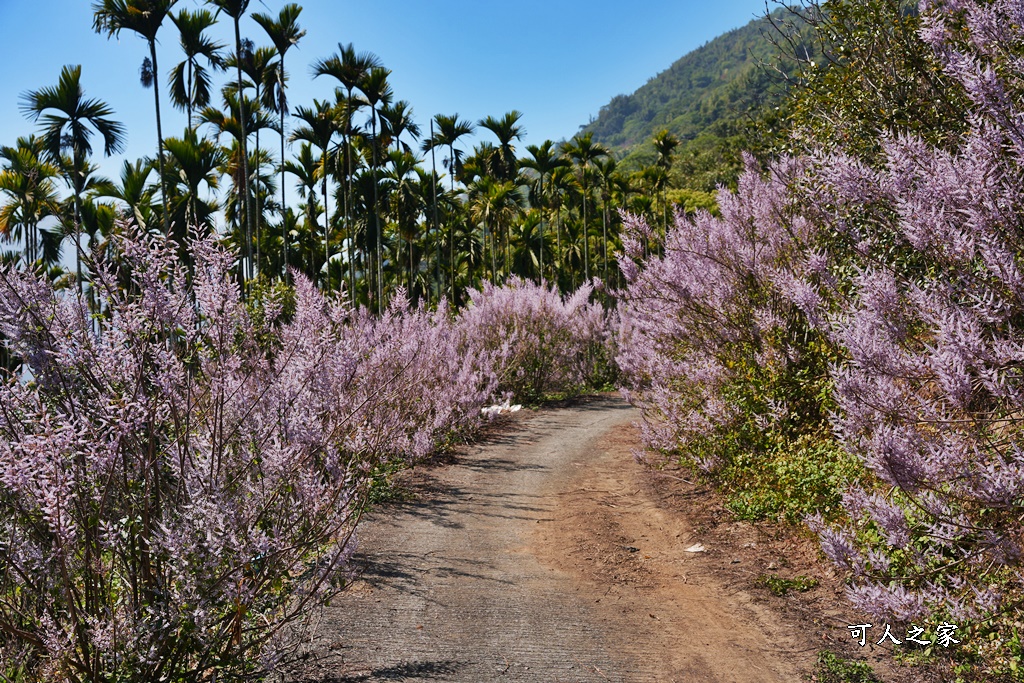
377, 93
284, 32
349, 68
27, 184
236, 10
319, 125
70, 119
583, 151
144, 17
449, 129
506, 129
190, 81
543, 161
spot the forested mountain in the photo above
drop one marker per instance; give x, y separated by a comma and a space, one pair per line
711, 83
704, 99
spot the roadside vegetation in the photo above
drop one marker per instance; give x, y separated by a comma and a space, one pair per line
839, 345
193, 418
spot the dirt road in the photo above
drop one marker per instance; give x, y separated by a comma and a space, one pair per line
537, 556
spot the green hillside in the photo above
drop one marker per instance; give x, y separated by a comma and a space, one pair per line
707, 99
718, 80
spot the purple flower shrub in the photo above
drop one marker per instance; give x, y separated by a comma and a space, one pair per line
716, 350
930, 392
540, 343
179, 485
902, 280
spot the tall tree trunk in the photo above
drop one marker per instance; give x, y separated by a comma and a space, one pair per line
376, 217
159, 137
257, 214
558, 237
188, 98
451, 227
78, 230
348, 195
604, 230
243, 142
348, 227
543, 213
284, 211
327, 227
437, 227
586, 244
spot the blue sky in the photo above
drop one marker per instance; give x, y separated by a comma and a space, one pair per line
557, 61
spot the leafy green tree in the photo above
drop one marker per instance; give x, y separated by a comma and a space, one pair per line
229, 120
665, 145
405, 200
560, 185
606, 173
260, 66
449, 130
135, 191
874, 76
528, 245
349, 68
144, 17
69, 122
190, 80
305, 167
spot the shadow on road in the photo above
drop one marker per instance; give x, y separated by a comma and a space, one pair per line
411, 670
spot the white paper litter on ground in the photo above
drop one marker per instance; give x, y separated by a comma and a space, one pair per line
500, 410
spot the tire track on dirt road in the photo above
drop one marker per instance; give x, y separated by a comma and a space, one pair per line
526, 557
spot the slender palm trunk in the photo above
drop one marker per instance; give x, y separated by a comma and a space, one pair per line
437, 227
188, 98
451, 227
604, 231
348, 199
494, 255
78, 231
558, 247
327, 226
542, 216
508, 262
284, 213
348, 226
243, 138
159, 137
256, 174
376, 216
586, 244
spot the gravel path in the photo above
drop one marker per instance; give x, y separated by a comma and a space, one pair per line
490, 574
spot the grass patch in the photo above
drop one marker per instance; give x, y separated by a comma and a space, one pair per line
383, 487
835, 669
791, 480
780, 587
